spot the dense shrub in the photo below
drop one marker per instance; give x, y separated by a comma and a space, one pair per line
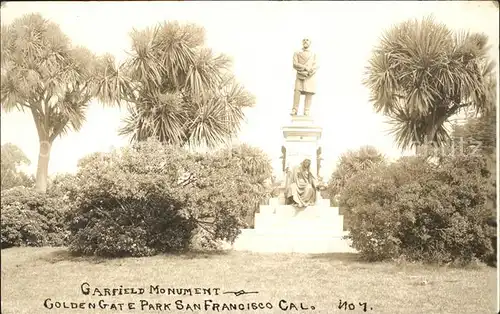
421, 211
30, 218
136, 227
348, 165
258, 182
61, 184
152, 198
478, 136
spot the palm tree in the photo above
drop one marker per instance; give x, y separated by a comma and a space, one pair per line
422, 74
253, 161
54, 81
181, 93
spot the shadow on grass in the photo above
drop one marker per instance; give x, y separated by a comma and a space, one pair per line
198, 254
353, 261
341, 257
398, 264
64, 255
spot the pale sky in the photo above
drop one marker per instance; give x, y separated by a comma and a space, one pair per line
261, 38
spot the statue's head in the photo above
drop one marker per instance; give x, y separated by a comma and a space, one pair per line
306, 43
306, 163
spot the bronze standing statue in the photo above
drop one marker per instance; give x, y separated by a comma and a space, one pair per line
304, 62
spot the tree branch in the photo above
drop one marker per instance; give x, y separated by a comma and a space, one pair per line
201, 223
58, 130
35, 102
37, 117
26, 105
46, 115
453, 109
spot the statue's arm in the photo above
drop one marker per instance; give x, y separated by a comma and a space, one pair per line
296, 64
314, 65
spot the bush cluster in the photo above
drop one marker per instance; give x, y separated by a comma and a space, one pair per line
349, 164
30, 218
141, 200
151, 198
422, 211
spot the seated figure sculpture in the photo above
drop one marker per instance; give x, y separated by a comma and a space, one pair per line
300, 187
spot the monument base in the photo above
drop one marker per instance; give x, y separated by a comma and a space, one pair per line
285, 229
301, 141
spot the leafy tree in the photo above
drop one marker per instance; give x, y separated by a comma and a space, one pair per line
351, 163
54, 81
422, 74
182, 93
13, 157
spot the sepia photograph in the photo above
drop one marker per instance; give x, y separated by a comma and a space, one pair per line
249, 157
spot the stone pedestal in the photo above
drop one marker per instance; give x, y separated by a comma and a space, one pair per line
301, 140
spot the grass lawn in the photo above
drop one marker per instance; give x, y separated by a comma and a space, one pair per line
32, 275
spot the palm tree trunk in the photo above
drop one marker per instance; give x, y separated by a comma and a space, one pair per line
42, 171
425, 148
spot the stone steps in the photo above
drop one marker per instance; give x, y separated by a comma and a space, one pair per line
283, 228
298, 225
289, 211
249, 240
